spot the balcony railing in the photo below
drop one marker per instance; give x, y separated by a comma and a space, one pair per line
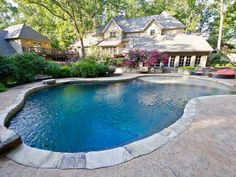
46, 51
52, 53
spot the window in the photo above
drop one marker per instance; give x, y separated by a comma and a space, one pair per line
152, 32
188, 61
181, 61
112, 34
172, 61
197, 60
36, 44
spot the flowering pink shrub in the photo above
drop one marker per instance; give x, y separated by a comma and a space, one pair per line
148, 58
165, 58
154, 58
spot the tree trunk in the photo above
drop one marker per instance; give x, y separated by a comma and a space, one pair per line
221, 25
82, 47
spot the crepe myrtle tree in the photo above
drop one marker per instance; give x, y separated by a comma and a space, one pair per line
81, 14
149, 58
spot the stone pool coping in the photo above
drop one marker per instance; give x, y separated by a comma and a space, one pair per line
39, 158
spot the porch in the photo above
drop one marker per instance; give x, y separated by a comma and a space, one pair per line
53, 54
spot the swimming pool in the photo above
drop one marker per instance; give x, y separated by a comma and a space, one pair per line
92, 117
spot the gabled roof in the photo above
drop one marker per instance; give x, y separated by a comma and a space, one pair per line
138, 24
24, 31
152, 21
168, 21
112, 20
172, 43
5, 47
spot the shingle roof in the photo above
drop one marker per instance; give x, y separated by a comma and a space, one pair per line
138, 24
109, 43
5, 46
24, 31
172, 43
167, 21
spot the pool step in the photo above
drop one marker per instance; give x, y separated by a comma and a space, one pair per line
49, 81
8, 140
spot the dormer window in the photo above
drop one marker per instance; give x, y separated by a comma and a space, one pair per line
112, 34
152, 32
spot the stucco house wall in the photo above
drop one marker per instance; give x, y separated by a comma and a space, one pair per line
35, 43
113, 27
153, 26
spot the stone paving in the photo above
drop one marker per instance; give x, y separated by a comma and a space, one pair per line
207, 148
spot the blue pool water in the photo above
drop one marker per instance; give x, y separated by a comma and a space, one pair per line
91, 117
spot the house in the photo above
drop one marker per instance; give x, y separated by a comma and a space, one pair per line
22, 38
161, 32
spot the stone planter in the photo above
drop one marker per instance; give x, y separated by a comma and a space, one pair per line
129, 70
185, 72
155, 70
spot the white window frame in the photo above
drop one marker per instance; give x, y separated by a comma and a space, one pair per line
113, 34
172, 61
188, 61
182, 62
197, 60
152, 32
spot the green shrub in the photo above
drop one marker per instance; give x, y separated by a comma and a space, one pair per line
23, 68
28, 65
53, 69
111, 61
88, 68
7, 69
103, 70
217, 60
111, 70
58, 70
2, 88
187, 68
74, 70
224, 64
65, 71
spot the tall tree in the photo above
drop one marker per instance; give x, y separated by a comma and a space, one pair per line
81, 14
230, 22
60, 32
7, 13
222, 7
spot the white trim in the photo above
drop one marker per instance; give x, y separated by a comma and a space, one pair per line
149, 23
112, 20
